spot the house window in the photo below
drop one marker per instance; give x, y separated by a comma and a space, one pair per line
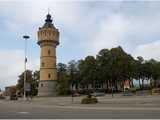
41, 85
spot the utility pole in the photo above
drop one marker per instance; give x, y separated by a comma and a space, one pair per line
25, 63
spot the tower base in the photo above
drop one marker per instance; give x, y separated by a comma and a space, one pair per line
47, 88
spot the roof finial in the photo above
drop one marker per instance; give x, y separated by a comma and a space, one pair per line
48, 17
48, 10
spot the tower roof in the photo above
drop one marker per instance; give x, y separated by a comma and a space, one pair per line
48, 22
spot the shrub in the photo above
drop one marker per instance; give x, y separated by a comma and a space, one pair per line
89, 100
133, 90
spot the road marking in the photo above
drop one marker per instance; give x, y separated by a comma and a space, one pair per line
23, 112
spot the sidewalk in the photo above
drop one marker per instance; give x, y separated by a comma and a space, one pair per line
105, 101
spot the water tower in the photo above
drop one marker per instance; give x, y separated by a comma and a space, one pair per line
48, 39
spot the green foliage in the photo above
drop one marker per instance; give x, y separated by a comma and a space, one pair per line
133, 90
63, 80
73, 73
63, 87
115, 66
32, 79
88, 70
111, 67
88, 100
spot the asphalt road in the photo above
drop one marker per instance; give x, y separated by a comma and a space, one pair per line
27, 110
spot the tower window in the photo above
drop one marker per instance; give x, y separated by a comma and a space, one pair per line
49, 75
44, 33
49, 52
42, 64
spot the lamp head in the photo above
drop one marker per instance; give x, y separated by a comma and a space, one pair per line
26, 37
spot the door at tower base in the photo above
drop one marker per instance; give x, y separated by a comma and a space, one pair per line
47, 88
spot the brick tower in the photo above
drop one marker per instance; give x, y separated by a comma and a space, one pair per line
48, 39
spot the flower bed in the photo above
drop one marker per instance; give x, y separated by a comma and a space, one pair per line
89, 100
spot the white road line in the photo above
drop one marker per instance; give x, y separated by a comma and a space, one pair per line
23, 112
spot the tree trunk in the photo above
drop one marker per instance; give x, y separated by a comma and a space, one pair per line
140, 84
132, 83
94, 86
116, 85
155, 83
106, 85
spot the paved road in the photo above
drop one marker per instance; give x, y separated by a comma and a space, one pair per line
38, 109
26, 111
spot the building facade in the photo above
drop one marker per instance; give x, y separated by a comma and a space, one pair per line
48, 39
10, 90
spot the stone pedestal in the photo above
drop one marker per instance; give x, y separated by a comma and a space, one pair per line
47, 88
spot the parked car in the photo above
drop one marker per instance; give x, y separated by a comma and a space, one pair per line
2, 97
76, 94
13, 97
156, 91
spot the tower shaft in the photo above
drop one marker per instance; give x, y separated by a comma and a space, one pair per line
48, 63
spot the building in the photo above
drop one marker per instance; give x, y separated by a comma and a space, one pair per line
127, 84
48, 39
10, 90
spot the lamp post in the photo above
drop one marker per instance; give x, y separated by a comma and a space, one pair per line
114, 59
25, 62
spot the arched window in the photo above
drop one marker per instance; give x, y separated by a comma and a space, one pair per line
49, 75
44, 33
49, 52
42, 64
49, 33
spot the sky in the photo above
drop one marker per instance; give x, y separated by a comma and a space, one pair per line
85, 28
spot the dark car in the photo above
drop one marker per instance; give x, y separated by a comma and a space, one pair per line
13, 97
2, 97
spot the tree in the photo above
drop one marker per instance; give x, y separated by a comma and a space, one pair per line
103, 67
120, 66
63, 79
88, 72
72, 70
29, 80
34, 83
155, 73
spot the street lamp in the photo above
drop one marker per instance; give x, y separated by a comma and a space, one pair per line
113, 62
25, 62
